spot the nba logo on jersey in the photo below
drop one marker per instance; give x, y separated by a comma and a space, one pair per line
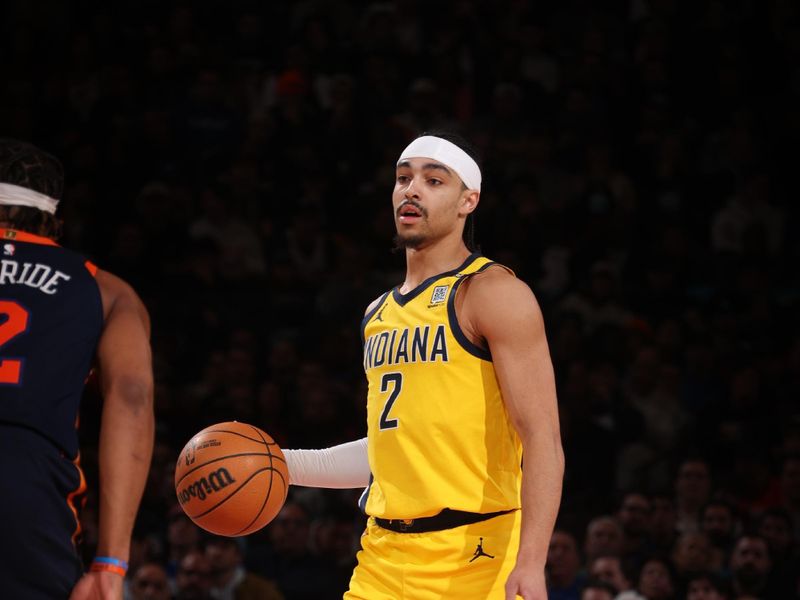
9, 249
439, 295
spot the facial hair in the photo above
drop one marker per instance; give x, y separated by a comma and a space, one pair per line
413, 241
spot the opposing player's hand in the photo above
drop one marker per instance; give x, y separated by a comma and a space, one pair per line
98, 586
526, 583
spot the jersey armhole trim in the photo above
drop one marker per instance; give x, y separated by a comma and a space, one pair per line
91, 267
458, 333
371, 314
362, 501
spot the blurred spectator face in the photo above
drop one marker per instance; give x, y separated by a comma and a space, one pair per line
693, 484
634, 514
193, 577
603, 536
182, 534
750, 562
609, 569
655, 581
692, 553
645, 370
778, 532
282, 356
290, 530
223, 556
702, 589
563, 561
596, 594
150, 583
663, 518
717, 523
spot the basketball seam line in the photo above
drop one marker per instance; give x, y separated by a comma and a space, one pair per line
234, 492
213, 460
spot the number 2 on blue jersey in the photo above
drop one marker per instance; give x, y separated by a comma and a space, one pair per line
15, 323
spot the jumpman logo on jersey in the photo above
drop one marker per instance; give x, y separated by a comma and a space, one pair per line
479, 552
379, 316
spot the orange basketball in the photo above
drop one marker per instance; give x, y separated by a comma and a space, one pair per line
231, 479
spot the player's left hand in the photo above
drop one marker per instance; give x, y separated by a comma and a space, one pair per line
98, 585
526, 583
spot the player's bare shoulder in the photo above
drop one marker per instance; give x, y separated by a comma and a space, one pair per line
496, 295
497, 287
119, 296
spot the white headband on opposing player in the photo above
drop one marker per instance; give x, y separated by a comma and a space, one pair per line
447, 153
14, 195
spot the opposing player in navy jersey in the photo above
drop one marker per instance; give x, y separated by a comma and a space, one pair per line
59, 315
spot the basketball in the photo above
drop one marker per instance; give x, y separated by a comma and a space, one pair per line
231, 479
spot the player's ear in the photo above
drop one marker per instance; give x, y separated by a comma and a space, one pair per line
469, 201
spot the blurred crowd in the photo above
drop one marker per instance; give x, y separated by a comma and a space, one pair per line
234, 161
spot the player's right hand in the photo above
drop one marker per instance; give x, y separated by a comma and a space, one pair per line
98, 585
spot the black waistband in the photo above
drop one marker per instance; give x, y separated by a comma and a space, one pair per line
447, 519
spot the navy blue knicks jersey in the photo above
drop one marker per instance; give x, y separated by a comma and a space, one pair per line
51, 316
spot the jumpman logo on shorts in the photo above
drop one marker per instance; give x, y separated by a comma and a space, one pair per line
479, 552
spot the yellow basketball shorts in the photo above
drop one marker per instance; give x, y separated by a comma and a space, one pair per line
471, 562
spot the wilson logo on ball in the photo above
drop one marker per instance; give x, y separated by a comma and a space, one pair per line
200, 489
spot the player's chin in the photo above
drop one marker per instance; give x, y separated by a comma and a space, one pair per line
405, 240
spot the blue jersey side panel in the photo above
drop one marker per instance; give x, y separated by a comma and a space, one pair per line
51, 317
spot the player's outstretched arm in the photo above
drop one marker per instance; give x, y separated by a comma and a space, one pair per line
502, 310
126, 430
344, 466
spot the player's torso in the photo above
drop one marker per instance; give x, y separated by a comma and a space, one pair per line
439, 435
51, 316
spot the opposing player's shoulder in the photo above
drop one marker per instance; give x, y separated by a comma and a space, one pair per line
118, 295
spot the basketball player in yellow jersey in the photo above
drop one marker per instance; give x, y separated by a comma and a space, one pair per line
461, 387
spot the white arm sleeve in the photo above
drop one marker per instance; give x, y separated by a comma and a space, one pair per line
344, 466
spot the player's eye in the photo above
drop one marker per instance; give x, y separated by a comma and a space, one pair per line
403, 179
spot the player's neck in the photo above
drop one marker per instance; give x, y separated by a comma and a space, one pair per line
422, 263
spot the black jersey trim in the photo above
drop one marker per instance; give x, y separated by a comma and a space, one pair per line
369, 316
458, 333
403, 299
362, 501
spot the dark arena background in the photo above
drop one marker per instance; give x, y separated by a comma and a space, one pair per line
234, 161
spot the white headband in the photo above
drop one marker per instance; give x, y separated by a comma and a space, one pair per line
448, 154
14, 195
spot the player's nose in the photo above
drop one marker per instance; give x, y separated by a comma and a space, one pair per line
412, 188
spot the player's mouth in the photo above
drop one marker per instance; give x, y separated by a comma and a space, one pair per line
410, 213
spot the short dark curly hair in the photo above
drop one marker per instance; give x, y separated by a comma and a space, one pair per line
25, 165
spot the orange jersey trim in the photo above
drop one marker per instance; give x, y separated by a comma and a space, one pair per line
71, 499
91, 267
24, 236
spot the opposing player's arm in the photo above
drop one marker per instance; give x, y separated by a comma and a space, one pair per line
502, 311
126, 431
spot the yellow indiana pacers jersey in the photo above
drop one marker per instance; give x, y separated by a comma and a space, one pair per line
439, 435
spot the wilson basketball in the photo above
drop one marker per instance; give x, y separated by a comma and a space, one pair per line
231, 479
